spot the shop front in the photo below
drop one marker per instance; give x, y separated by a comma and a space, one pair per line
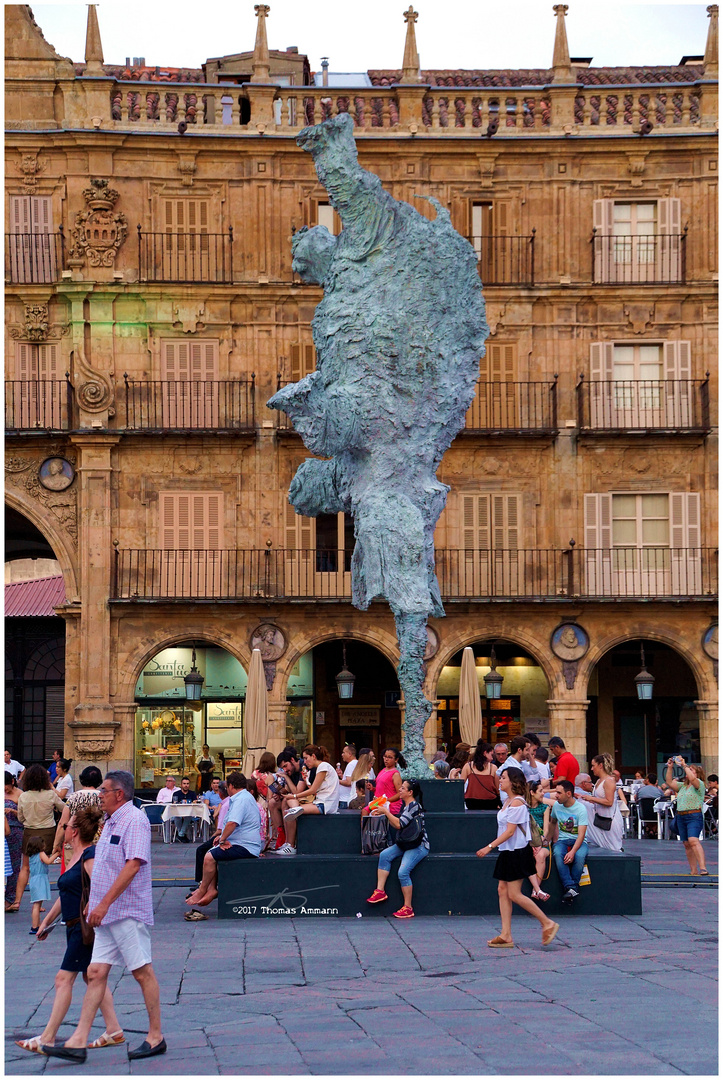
171, 730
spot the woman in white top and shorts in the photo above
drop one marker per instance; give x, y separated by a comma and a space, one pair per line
515, 861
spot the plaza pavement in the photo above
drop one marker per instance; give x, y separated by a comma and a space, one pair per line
612, 995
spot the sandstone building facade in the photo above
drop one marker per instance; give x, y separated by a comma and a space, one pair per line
152, 310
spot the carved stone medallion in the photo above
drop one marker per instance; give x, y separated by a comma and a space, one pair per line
56, 474
569, 642
99, 231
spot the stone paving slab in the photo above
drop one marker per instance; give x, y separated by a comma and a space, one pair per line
376, 997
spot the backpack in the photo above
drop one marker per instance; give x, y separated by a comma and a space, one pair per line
410, 835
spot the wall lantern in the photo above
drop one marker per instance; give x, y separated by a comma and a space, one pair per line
644, 681
345, 680
193, 681
493, 680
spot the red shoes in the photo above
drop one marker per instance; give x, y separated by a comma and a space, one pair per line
377, 896
404, 913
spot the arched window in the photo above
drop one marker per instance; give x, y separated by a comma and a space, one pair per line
47, 663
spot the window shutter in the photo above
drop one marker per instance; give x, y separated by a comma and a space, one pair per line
299, 530
20, 214
502, 218
186, 215
602, 216
41, 214
476, 522
601, 361
676, 360
303, 360
505, 522
598, 520
54, 718
669, 216
48, 361
191, 522
685, 520
24, 361
498, 363
185, 360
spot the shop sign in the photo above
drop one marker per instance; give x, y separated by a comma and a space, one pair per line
360, 716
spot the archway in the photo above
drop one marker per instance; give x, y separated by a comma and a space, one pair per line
315, 712
34, 642
642, 734
521, 708
171, 731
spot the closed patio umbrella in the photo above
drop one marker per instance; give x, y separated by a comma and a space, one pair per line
470, 708
256, 717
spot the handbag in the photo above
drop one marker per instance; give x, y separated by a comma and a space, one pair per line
373, 834
410, 835
605, 824
87, 931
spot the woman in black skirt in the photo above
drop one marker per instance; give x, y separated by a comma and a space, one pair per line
515, 861
79, 833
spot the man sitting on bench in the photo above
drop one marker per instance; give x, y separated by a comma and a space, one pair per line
321, 798
240, 839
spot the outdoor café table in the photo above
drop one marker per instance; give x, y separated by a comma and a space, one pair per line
176, 810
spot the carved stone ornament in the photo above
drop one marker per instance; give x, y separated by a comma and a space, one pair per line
639, 317
187, 168
569, 671
190, 315
22, 473
432, 644
98, 231
94, 390
90, 748
710, 642
569, 642
270, 641
29, 167
36, 325
56, 474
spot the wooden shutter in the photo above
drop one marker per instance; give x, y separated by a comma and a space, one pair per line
501, 218
602, 220
598, 520
505, 522
185, 360
24, 361
191, 521
54, 718
186, 215
601, 361
36, 361
48, 361
685, 520
498, 363
676, 360
476, 522
669, 220
303, 360
20, 214
602, 216
299, 531
677, 375
41, 214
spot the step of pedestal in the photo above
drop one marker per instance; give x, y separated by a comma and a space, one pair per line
340, 834
451, 884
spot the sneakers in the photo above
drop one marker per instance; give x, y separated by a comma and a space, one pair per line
404, 913
569, 896
287, 849
294, 811
33, 930
377, 896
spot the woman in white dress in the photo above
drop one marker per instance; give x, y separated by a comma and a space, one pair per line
605, 806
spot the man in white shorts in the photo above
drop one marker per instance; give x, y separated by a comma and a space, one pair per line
120, 910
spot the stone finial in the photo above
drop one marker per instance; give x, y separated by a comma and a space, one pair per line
260, 65
561, 53
710, 60
410, 63
93, 46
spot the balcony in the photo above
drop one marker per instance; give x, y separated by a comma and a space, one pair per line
505, 260
185, 257
608, 574
190, 405
34, 258
644, 406
38, 405
505, 408
638, 260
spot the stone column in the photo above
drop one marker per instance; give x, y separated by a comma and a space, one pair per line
277, 727
708, 713
568, 717
94, 723
430, 733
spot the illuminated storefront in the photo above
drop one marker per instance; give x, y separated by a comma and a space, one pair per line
171, 731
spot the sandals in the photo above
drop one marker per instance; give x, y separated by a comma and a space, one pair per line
195, 916
540, 895
705, 873
34, 1046
500, 943
13, 910
114, 1039
551, 934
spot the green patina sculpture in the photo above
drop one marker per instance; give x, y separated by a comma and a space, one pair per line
399, 334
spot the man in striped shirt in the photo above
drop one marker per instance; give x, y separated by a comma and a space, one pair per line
121, 911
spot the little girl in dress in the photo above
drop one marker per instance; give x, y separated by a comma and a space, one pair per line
39, 881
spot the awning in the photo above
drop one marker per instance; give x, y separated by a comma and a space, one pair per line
34, 599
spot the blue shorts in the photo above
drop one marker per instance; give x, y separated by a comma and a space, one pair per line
234, 852
320, 807
689, 826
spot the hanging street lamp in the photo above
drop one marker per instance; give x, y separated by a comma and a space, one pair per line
345, 680
644, 680
493, 680
193, 681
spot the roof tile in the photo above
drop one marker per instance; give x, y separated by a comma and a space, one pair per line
34, 599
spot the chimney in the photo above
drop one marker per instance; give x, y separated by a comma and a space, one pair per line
93, 47
561, 53
710, 60
260, 64
410, 64
325, 71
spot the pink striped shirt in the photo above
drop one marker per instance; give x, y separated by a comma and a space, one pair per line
126, 835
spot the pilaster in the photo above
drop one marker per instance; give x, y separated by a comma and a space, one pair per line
568, 718
708, 715
277, 727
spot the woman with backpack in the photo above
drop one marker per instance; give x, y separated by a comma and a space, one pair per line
412, 844
515, 861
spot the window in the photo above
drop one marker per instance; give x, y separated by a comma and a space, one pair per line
640, 385
642, 544
490, 237
318, 554
490, 521
38, 397
490, 563
190, 388
326, 215
191, 533
33, 253
495, 404
637, 241
303, 360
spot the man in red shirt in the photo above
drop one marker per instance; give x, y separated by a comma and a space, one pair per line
566, 764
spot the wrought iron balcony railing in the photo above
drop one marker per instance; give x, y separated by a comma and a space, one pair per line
505, 260
502, 575
38, 405
523, 408
185, 257
191, 405
643, 405
34, 258
639, 260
